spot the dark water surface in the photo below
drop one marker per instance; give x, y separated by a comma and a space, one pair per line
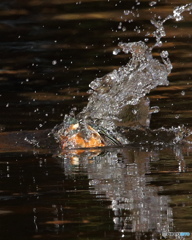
50, 52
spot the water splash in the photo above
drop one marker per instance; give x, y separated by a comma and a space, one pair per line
177, 16
119, 98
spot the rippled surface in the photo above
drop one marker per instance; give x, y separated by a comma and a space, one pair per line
50, 52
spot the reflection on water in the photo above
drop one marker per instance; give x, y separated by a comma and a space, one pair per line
130, 193
50, 52
125, 176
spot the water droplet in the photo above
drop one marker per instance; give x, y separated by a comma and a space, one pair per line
116, 51
124, 29
54, 62
120, 25
154, 109
126, 12
179, 10
164, 54
134, 112
152, 3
